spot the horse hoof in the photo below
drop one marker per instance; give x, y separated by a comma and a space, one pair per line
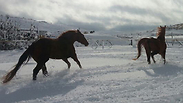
34, 79
46, 75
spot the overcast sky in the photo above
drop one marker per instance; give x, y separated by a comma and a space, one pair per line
118, 15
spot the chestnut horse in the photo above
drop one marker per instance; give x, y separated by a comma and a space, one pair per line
153, 46
43, 49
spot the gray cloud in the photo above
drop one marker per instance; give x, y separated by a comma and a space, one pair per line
142, 12
76, 24
124, 15
133, 28
126, 8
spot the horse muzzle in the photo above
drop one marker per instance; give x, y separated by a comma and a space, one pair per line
86, 44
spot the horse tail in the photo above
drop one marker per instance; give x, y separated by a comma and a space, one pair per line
25, 56
139, 48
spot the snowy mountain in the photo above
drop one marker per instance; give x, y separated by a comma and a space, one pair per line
25, 23
175, 30
176, 27
56, 29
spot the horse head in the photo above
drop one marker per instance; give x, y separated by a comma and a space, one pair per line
81, 38
161, 32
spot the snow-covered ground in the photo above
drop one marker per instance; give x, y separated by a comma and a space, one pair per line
108, 76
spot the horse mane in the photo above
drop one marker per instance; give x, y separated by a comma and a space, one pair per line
66, 33
161, 33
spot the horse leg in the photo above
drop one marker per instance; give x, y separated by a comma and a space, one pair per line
148, 53
148, 58
44, 70
152, 55
39, 66
68, 63
74, 57
36, 70
163, 56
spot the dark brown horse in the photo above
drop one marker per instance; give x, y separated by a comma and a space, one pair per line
153, 46
43, 49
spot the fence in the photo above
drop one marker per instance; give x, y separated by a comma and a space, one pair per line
104, 44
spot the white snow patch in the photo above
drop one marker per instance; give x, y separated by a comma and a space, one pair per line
108, 76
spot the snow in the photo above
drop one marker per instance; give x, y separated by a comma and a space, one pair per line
108, 76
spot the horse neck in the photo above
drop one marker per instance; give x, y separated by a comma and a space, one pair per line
68, 38
161, 37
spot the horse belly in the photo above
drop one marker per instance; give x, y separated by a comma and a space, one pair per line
56, 57
58, 54
154, 48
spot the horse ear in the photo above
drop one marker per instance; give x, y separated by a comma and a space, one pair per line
78, 30
160, 26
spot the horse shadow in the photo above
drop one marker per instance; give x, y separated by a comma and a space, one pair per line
163, 70
59, 84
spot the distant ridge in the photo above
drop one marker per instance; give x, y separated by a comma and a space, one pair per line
56, 29
23, 22
176, 27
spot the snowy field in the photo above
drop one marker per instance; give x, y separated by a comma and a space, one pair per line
108, 76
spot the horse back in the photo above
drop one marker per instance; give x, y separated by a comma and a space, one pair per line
52, 48
156, 44
41, 49
61, 49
